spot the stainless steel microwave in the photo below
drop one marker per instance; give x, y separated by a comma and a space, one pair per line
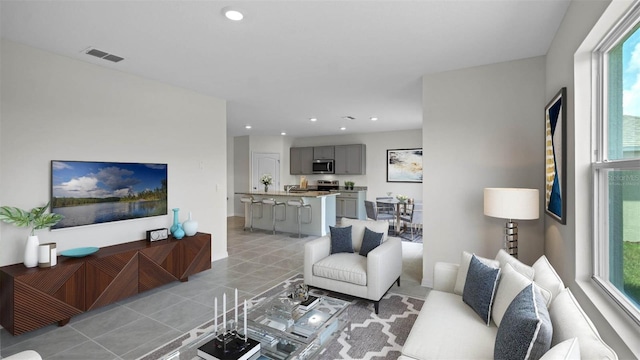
323, 166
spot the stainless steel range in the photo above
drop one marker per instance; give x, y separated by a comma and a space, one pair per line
328, 185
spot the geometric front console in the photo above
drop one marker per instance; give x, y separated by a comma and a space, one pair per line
31, 298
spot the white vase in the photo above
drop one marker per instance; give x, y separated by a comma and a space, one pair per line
31, 252
190, 226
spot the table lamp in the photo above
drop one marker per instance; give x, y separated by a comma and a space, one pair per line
511, 203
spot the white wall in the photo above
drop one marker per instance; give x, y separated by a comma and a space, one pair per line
55, 107
569, 247
230, 175
482, 127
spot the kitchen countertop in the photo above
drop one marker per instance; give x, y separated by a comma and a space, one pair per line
312, 193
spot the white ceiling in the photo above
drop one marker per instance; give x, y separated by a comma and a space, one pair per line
288, 61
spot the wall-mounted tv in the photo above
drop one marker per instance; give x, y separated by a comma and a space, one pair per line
88, 192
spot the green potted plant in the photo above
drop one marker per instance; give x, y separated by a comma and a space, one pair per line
35, 219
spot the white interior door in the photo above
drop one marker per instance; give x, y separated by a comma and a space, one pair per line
265, 163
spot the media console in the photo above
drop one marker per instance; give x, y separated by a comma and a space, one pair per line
31, 298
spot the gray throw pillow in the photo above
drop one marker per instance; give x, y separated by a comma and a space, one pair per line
480, 287
341, 239
525, 330
370, 241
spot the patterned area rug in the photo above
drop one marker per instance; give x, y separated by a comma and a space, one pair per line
371, 337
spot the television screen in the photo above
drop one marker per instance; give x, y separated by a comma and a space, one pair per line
88, 192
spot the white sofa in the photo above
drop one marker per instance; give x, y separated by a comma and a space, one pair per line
350, 273
448, 328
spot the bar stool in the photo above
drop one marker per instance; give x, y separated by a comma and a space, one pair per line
300, 204
249, 201
274, 204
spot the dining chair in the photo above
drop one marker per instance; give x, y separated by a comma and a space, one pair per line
385, 207
372, 212
413, 219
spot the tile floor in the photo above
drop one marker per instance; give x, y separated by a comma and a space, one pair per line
133, 327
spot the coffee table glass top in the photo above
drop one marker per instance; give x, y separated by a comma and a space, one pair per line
284, 329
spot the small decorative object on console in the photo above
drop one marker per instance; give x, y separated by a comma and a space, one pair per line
79, 252
47, 255
179, 233
157, 234
190, 226
176, 220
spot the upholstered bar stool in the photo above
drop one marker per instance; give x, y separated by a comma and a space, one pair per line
300, 204
249, 202
274, 205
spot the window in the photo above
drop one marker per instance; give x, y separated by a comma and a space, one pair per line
616, 165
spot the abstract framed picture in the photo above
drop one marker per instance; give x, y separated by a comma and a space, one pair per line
89, 192
555, 157
404, 165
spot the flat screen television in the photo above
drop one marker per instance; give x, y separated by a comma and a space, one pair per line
89, 192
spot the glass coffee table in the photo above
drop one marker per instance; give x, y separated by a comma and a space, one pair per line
284, 329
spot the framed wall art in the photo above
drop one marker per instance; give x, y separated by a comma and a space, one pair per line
404, 165
90, 192
555, 157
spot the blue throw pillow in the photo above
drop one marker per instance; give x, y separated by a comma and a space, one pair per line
480, 287
525, 330
341, 239
370, 241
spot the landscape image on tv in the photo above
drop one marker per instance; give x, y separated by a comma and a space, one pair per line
88, 193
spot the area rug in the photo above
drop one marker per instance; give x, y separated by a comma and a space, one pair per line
371, 336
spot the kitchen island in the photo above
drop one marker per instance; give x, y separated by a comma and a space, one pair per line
323, 209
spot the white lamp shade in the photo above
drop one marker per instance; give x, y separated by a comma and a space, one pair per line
512, 203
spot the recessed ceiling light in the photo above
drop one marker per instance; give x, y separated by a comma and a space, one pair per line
247, 126
343, 128
373, 118
232, 14
313, 119
283, 133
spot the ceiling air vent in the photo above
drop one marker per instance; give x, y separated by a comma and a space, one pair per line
103, 55
348, 118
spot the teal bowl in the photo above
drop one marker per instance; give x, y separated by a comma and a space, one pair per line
79, 252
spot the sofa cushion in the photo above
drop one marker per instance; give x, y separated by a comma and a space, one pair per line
370, 241
504, 258
525, 330
569, 321
566, 350
480, 288
341, 240
464, 268
547, 277
510, 285
345, 267
357, 230
447, 328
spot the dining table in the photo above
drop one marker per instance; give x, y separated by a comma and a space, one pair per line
400, 206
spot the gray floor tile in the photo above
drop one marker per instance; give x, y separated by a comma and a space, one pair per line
179, 315
49, 344
130, 336
106, 321
81, 351
155, 302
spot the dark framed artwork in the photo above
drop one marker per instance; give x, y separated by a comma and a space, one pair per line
404, 165
556, 157
91, 192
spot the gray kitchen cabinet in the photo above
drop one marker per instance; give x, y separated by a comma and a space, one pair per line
323, 153
350, 159
301, 160
350, 204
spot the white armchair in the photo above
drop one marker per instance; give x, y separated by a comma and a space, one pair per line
367, 277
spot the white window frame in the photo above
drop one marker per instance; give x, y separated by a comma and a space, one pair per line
601, 163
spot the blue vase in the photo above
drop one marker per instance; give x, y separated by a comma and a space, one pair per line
176, 216
179, 233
